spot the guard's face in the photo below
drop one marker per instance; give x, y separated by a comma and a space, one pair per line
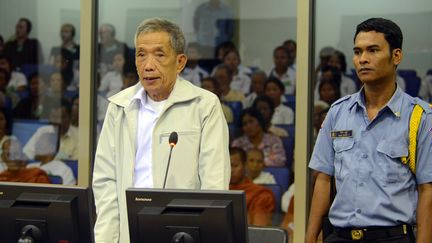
157, 64
373, 61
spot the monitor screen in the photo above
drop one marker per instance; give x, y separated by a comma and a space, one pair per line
192, 216
45, 213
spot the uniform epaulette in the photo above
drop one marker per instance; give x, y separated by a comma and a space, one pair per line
427, 108
341, 100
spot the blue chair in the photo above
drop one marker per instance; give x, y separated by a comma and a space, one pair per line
407, 73
277, 192
23, 129
429, 72
236, 108
29, 69
290, 101
73, 164
288, 143
54, 179
281, 175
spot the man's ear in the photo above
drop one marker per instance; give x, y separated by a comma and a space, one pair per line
397, 56
181, 62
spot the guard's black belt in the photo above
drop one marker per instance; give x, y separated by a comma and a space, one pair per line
373, 233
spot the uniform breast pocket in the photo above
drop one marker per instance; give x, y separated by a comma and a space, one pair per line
343, 148
389, 154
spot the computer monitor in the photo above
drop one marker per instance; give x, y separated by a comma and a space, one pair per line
190, 216
46, 213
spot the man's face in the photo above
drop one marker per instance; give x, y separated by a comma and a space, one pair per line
21, 29
255, 163
5, 64
223, 78
237, 169
372, 59
66, 33
231, 60
280, 59
105, 35
157, 64
257, 85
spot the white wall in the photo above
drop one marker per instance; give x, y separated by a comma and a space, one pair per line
336, 21
46, 16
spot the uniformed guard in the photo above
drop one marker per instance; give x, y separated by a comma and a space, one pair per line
378, 150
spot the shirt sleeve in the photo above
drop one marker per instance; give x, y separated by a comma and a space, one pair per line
323, 154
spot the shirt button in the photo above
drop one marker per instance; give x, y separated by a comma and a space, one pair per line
361, 184
364, 156
358, 210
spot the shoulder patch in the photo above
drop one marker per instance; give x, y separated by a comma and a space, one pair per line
341, 100
426, 106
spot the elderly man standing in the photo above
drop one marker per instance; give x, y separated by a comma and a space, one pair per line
133, 146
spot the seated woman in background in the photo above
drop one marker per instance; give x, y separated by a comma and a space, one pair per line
275, 89
328, 91
255, 136
265, 106
255, 166
15, 161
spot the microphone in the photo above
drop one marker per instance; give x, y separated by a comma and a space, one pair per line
172, 140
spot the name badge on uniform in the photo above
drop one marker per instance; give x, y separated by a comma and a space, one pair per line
341, 134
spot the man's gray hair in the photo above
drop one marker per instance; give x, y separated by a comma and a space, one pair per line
176, 35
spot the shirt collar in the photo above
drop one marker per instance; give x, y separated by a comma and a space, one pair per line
394, 104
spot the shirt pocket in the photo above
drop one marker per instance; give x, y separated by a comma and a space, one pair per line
343, 148
389, 154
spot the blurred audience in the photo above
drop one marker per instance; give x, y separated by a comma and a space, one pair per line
45, 151
283, 114
212, 85
15, 161
283, 69
265, 106
258, 79
192, 71
17, 80
260, 201
23, 49
255, 166
213, 23
108, 47
68, 46
256, 136
223, 75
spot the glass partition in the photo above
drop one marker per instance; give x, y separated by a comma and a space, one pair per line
223, 37
39, 71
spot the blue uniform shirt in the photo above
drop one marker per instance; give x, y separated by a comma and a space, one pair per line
373, 187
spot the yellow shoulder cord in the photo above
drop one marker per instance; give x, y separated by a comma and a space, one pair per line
413, 129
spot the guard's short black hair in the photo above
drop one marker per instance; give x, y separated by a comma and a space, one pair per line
392, 32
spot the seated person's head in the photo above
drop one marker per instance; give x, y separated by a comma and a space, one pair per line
274, 89
258, 80
12, 155
265, 106
255, 163
238, 165
129, 75
252, 123
211, 85
224, 76
46, 147
328, 91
